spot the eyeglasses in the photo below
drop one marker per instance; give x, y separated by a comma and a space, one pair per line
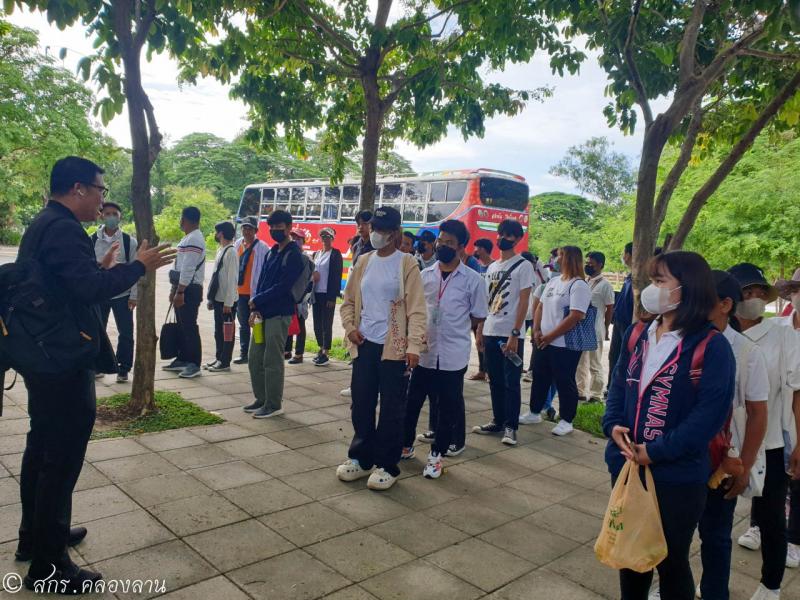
103, 189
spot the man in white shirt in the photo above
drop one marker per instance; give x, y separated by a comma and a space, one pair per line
590, 369
186, 293
123, 305
455, 297
223, 295
509, 282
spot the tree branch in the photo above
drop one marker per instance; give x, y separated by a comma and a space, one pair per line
382, 14
734, 156
633, 71
723, 59
688, 44
337, 38
154, 135
769, 55
143, 22
435, 15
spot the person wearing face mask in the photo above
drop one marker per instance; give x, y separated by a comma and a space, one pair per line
223, 295
123, 305
426, 241
251, 253
362, 245
273, 304
455, 296
327, 288
782, 352
622, 317
384, 319
669, 396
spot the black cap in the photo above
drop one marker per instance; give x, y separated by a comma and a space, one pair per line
748, 274
727, 286
250, 222
385, 218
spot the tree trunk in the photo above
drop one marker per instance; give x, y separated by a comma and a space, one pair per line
143, 389
372, 138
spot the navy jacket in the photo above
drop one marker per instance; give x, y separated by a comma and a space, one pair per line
273, 296
672, 416
623, 307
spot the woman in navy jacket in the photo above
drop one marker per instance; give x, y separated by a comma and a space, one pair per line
670, 411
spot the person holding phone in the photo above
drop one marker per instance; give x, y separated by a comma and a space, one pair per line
670, 394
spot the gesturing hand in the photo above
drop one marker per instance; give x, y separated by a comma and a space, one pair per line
110, 258
156, 257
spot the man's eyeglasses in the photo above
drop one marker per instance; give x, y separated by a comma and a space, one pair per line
103, 189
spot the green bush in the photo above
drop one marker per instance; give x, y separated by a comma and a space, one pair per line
590, 418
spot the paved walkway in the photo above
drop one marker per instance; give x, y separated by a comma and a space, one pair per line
252, 508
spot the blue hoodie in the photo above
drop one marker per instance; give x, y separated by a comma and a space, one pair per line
673, 417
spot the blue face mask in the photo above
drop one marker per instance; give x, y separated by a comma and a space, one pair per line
111, 221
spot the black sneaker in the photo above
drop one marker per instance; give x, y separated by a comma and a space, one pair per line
122, 377
454, 450
510, 437
295, 360
550, 414
488, 428
242, 360
322, 359
266, 413
251, 408
427, 438
175, 366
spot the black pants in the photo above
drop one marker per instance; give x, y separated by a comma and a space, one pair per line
769, 513
243, 314
300, 347
503, 381
446, 392
555, 365
715, 550
224, 350
614, 349
62, 412
123, 317
323, 321
481, 355
794, 512
381, 445
191, 349
681, 507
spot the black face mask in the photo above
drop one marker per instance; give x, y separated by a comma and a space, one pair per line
445, 254
279, 235
589, 270
505, 244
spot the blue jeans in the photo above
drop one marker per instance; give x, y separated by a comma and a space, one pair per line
551, 393
715, 536
504, 384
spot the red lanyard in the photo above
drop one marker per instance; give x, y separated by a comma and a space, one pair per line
442, 290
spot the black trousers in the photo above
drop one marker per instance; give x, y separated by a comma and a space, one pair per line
794, 512
681, 507
504, 384
62, 413
614, 349
224, 350
769, 513
323, 321
446, 392
554, 365
300, 347
243, 314
123, 317
715, 550
191, 349
379, 445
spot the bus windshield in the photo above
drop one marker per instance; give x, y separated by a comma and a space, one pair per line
504, 193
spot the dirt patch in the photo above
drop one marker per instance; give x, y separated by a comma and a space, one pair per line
114, 417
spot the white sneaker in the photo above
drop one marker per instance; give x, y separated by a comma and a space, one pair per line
530, 418
793, 556
750, 539
433, 469
563, 428
350, 470
697, 593
655, 593
345, 392
380, 479
763, 593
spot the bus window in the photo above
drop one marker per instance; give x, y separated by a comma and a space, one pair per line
456, 190
313, 203
350, 197
267, 201
441, 211
282, 199
251, 202
297, 206
504, 193
330, 209
438, 191
392, 194
413, 213
416, 193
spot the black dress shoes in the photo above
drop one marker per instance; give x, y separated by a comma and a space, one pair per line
66, 579
25, 551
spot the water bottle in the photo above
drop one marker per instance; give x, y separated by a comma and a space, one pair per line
512, 356
258, 331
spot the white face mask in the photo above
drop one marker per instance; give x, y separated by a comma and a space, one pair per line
751, 309
656, 299
379, 240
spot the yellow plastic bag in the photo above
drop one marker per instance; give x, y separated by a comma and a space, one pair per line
632, 536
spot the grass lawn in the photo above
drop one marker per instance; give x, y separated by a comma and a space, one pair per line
338, 350
173, 412
590, 418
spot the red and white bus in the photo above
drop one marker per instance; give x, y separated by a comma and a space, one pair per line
481, 198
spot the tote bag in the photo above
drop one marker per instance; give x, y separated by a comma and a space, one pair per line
632, 536
169, 340
583, 336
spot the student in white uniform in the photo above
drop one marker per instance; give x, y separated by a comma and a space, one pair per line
590, 368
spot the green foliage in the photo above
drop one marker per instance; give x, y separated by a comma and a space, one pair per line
172, 412
590, 418
549, 207
597, 170
211, 212
338, 349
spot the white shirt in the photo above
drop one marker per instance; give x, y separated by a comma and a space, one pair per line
503, 311
104, 242
322, 265
191, 253
559, 294
427, 263
781, 348
787, 321
757, 380
656, 353
380, 286
451, 302
602, 296
228, 277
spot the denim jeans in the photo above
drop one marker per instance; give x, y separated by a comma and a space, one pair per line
504, 385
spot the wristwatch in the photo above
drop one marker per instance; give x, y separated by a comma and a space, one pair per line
515, 332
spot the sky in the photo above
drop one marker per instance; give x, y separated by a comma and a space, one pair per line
527, 144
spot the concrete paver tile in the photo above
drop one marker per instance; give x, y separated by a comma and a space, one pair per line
160, 489
419, 580
98, 503
543, 584
285, 463
265, 497
468, 516
218, 588
197, 513
529, 541
130, 468
249, 447
568, 522
120, 534
418, 533
197, 456
309, 523
366, 507
229, 475
170, 440
359, 555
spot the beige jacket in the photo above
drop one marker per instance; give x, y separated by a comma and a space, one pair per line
408, 318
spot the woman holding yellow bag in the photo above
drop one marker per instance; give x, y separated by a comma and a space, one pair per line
670, 394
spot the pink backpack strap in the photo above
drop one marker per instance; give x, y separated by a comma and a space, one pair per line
637, 332
696, 369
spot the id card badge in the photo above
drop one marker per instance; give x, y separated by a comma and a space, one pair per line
435, 315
